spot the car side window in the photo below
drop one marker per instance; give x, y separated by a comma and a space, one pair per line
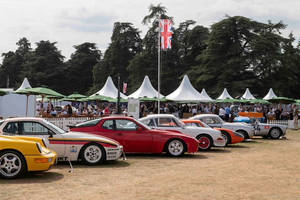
125, 125
11, 128
166, 122
33, 128
108, 124
149, 122
209, 120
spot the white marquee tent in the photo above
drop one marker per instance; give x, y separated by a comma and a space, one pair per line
109, 89
270, 95
225, 95
145, 90
25, 85
186, 93
247, 95
205, 95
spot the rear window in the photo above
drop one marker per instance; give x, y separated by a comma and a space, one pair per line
88, 123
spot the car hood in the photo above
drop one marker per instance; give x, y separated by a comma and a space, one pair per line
169, 133
237, 124
204, 129
90, 137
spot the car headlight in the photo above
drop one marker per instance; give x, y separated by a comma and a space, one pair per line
38, 145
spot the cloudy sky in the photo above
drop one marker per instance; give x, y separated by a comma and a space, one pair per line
72, 22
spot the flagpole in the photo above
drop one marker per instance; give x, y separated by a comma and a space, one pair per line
158, 69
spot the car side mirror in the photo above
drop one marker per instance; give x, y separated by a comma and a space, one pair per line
139, 128
50, 133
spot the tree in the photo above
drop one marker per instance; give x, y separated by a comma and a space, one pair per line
125, 44
80, 67
45, 67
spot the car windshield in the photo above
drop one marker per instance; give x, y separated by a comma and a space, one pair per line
93, 122
142, 123
1, 122
59, 130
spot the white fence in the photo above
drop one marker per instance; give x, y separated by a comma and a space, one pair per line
289, 123
65, 122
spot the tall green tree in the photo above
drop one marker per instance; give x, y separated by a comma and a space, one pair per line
80, 68
45, 66
125, 44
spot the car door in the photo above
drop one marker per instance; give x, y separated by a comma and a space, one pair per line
135, 138
36, 129
167, 123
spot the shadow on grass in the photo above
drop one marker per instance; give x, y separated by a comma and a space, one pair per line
164, 156
237, 146
216, 150
107, 164
34, 177
252, 141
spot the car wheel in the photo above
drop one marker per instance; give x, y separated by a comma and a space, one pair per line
226, 138
205, 142
12, 164
93, 154
275, 133
244, 133
175, 148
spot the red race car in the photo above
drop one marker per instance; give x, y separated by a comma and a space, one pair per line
230, 136
137, 137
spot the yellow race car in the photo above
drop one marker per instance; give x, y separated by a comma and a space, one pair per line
22, 154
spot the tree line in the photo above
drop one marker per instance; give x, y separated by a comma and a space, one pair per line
234, 53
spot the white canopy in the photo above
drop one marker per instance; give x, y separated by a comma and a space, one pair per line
24, 85
145, 90
186, 92
270, 95
205, 95
247, 95
109, 89
225, 95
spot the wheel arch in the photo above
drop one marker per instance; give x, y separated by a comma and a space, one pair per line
4, 150
228, 136
79, 158
242, 131
175, 138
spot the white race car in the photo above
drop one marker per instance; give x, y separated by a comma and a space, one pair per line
71, 146
207, 137
215, 121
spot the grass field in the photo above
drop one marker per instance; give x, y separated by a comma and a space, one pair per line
255, 170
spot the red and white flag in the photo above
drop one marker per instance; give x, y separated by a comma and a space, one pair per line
165, 33
124, 88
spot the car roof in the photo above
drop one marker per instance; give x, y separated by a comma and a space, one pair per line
205, 115
158, 115
23, 119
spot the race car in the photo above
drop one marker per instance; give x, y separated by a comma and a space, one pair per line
19, 155
215, 121
69, 146
231, 137
207, 137
137, 137
274, 131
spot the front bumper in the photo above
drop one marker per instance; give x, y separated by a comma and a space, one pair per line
220, 142
40, 162
114, 153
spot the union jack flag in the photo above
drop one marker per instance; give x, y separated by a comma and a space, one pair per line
166, 33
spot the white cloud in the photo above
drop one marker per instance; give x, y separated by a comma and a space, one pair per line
71, 22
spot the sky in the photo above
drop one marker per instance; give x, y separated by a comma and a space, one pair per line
73, 22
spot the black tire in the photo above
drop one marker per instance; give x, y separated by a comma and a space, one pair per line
275, 133
227, 137
244, 133
175, 147
205, 142
12, 164
92, 154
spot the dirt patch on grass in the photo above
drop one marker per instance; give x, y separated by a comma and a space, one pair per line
259, 169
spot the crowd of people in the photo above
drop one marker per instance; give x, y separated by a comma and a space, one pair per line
226, 111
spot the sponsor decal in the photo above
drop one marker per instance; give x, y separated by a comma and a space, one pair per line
73, 149
266, 127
